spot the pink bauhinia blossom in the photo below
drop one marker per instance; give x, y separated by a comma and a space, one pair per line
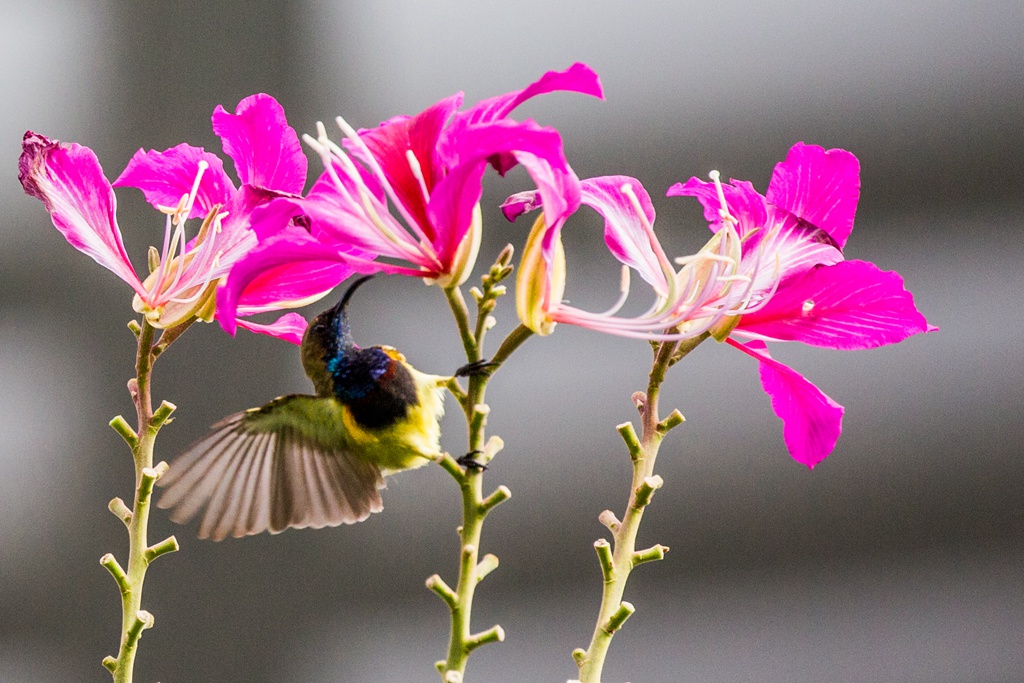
186, 182
408, 191
773, 271
802, 225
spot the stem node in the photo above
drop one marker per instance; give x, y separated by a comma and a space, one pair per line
494, 634
168, 545
487, 564
604, 556
655, 552
609, 519
121, 511
628, 434
436, 584
500, 495
121, 426
646, 490
616, 620
161, 415
112, 565
674, 419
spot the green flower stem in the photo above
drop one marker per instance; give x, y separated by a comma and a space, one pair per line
134, 619
619, 557
475, 505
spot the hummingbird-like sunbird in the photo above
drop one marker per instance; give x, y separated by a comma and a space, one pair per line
313, 461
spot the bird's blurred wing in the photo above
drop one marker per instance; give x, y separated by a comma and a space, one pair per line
266, 469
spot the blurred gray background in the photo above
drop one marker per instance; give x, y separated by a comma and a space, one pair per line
899, 558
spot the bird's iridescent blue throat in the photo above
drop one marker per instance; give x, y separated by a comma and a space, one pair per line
377, 387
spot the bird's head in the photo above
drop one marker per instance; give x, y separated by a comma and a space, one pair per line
328, 339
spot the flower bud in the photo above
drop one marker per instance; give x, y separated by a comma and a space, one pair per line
465, 255
540, 281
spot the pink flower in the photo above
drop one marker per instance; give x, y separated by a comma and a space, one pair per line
713, 286
428, 169
185, 182
820, 299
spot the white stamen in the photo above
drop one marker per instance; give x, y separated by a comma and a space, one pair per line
352, 135
808, 306
423, 249
666, 266
417, 172
723, 212
331, 154
206, 281
623, 293
693, 258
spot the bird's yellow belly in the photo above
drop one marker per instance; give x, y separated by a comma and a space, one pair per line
408, 443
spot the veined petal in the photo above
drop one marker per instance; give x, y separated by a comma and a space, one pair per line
69, 181
265, 149
291, 285
165, 177
558, 193
577, 78
847, 305
290, 327
452, 205
788, 247
392, 139
811, 421
821, 187
453, 199
339, 217
745, 203
624, 232
521, 202
275, 257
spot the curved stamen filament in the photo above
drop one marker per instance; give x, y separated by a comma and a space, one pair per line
175, 241
417, 173
201, 288
371, 161
723, 212
415, 251
623, 293
666, 266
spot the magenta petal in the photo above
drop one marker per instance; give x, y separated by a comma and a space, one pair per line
279, 262
792, 245
69, 181
165, 177
290, 327
269, 218
452, 202
335, 218
745, 203
265, 149
559, 194
811, 421
820, 187
624, 232
451, 208
577, 78
521, 202
392, 139
847, 305
291, 284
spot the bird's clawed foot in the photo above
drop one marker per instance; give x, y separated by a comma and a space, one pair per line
470, 462
479, 367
